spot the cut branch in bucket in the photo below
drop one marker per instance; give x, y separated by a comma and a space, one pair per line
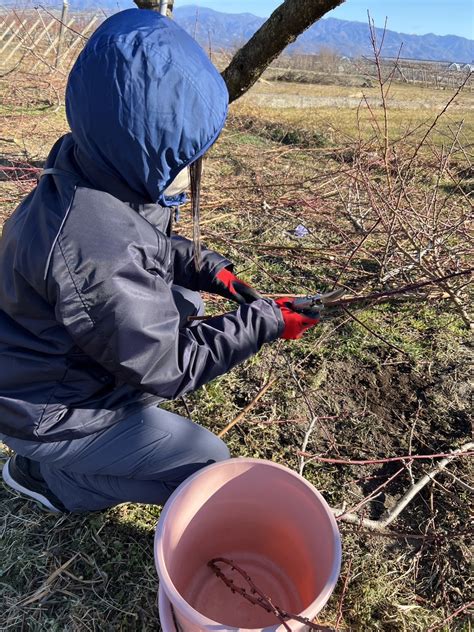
256, 596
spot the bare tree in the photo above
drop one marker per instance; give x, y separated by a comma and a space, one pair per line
288, 21
328, 57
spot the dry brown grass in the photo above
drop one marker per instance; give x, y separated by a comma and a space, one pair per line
339, 112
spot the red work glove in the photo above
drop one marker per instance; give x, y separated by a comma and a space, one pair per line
295, 323
228, 285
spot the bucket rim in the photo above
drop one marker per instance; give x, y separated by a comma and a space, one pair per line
175, 597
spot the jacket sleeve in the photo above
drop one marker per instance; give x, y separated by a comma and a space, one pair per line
127, 321
185, 273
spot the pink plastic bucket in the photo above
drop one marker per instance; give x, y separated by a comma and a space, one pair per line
268, 520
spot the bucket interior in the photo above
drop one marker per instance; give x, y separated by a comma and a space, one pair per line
267, 521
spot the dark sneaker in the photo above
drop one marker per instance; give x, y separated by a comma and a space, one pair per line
23, 475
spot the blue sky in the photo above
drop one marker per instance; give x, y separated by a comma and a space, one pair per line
443, 17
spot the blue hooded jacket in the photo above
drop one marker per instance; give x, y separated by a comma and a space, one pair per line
136, 62
89, 329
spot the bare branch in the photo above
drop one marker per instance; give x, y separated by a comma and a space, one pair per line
379, 525
466, 451
249, 407
256, 596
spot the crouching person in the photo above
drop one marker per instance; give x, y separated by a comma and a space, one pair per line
96, 291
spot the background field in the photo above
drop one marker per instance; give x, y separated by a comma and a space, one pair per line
333, 162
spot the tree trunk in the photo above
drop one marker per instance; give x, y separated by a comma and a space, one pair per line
154, 5
282, 28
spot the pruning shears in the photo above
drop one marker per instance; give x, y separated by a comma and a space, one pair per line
323, 306
318, 305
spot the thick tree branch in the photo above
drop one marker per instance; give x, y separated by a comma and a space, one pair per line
154, 5
281, 29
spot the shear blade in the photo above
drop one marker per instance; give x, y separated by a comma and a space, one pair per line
332, 297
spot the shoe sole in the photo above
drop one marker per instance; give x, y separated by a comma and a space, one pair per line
10, 481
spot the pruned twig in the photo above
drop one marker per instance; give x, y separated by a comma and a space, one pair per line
466, 451
256, 597
249, 407
452, 616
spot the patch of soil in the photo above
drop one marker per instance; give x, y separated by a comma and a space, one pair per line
393, 394
384, 391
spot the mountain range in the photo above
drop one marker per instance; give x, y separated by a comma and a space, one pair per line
346, 38
229, 31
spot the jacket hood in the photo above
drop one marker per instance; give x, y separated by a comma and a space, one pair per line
143, 100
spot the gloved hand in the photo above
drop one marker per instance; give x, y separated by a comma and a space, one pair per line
230, 286
295, 323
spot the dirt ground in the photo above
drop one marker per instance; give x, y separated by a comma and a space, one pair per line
364, 397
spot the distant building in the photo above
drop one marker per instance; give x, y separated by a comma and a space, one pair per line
468, 68
455, 67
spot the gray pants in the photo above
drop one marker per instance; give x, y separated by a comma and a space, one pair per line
140, 459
